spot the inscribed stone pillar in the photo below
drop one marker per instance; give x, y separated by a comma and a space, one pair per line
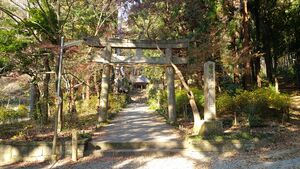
170, 75
263, 66
210, 125
105, 84
209, 91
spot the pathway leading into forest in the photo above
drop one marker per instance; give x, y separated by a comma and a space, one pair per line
137, 123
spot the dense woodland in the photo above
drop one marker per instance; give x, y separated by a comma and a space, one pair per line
254, 43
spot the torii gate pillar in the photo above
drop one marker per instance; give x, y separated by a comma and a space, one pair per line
170, 76
105, 85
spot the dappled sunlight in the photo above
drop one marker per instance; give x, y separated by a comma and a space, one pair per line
198, 155
135, 123
123, 163
169, 162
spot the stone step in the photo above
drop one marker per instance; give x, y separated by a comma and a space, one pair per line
105, 145
168, 147
134, 152
295, 103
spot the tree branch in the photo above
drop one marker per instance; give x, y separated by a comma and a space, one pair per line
19, 20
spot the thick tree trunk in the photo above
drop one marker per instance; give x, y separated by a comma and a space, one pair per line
72, 101
34, 99
297, 63
297, 69
269, 66
246, 46
258, 44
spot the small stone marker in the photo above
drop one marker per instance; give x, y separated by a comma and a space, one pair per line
210, 125
74, 145
263, 66
209, 91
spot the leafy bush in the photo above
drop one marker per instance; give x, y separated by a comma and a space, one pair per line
182, 101
157, 99
117, 102
256, 105
23, 110
225, 103
11, 115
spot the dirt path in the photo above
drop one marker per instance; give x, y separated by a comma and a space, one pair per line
137, 123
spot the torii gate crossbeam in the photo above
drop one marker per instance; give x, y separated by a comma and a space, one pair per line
108, 59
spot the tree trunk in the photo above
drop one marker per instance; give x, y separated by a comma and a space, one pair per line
72, 108
96, 82
246, 46
297, 69
269, 65
236, 72
44, 104
196, 114
256, 66
34, 99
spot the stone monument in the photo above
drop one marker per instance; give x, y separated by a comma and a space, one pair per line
210, 125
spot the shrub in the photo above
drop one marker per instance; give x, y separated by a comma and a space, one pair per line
256, 105
225, 103
157, 99
182, 101
22, 111
117, 102
11, 115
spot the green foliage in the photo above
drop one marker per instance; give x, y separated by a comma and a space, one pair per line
43, 20
256, 105
23, 110
9, 41
157, 99
287, 73
225, 103
117, 102
182, 101
154, 74
7, 114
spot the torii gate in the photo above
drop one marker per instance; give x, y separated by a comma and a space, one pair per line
109, 59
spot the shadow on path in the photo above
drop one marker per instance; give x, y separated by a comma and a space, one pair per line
137, 123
